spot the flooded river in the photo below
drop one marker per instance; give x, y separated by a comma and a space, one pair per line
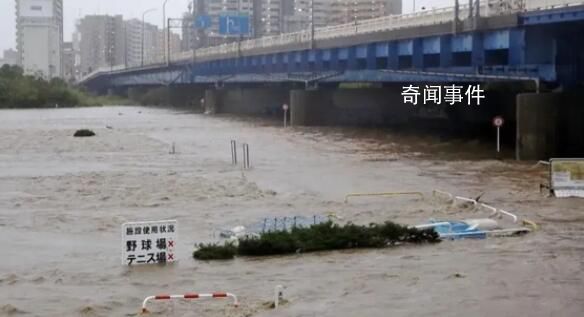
63, 200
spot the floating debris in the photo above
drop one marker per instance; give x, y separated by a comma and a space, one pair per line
83, 133
272, 224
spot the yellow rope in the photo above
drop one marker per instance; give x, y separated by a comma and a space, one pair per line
530, 223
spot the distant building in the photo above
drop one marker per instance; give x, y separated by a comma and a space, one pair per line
294, 23
153, 44
272, 17
347, 11
69, 68
188, 32
10, 57
304, 15
333, 12
274, 14
39, 37
215, 9
174, 44
102, 42
133, 54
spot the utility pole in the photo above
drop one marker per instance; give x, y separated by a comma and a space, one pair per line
195, 32
455, 20
240, 36
165, 22
168, 42
143, 22
477, 13
312, 24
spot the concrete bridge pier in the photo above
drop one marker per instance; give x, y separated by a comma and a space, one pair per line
135, 92
309, 107
537, 117
549, 125
243, 100
185, 96
117, 91
349, 106
212, 101
254, 100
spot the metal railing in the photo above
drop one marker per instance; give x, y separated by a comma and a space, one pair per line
233, 152
382, 24
189, 296
550, 4
246, 161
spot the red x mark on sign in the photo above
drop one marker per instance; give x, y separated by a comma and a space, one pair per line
170, 257
170, 243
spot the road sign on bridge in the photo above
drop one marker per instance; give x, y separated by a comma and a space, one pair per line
202, 22
234, 25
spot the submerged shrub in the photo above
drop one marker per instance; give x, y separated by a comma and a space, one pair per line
320, 237
215, 252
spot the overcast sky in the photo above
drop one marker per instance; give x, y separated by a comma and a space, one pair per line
74, 9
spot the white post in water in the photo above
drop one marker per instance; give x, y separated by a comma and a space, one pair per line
498, 123
278, 295
498, 139
285, 108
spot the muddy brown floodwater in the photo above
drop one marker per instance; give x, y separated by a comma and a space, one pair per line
63, 200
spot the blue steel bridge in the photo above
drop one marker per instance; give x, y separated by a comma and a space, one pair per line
496, 40
529, 53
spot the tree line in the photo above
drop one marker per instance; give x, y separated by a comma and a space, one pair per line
18, 90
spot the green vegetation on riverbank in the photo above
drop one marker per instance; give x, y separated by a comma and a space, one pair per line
320, 237
21, 91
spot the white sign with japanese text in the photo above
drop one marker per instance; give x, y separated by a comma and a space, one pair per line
567, 177
149, 242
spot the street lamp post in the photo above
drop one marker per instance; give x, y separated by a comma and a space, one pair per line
455, 20
312, 24
167, 34
143, 22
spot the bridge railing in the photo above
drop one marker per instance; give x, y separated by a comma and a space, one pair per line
549, 4
392, 22
275, 40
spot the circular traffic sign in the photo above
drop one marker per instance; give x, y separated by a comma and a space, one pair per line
498, 121
285, 107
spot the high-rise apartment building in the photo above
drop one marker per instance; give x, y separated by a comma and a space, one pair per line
102, 41
153, 44
273, 16
133, 33
174, 44
303, 10
347, 11
69, 67
10, 57
332, 12
39, 37
188, 34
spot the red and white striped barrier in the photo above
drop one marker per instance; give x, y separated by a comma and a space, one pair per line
188, 296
